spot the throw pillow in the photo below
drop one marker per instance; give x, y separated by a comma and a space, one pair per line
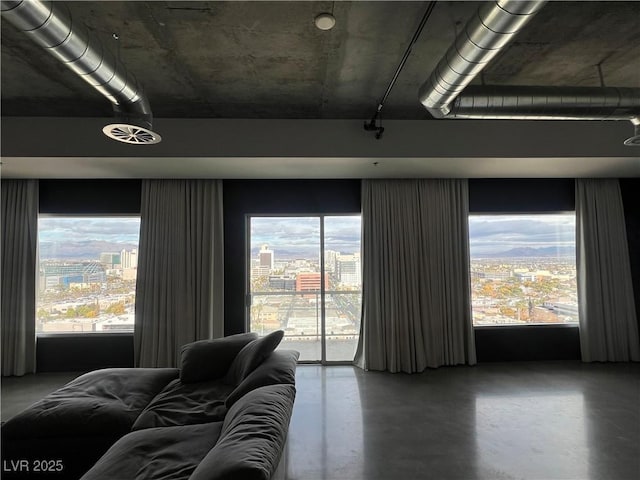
280, 367
211, 359
251, 356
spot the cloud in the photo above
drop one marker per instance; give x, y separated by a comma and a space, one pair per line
499, 233
300, 236
111, 229
342, 234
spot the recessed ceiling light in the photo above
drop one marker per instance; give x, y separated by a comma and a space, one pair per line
325, 21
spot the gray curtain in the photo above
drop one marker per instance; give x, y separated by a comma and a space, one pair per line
608, 324
19, 268
416, 291
179, 292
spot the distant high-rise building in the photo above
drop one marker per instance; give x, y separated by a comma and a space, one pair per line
348, 269
266, 257
61, 273
282, 282
129, 258
330, 259
310, 281
110, 259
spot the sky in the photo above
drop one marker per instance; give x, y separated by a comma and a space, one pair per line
299, 237
491, 234
108, 229
488, 234
84, 238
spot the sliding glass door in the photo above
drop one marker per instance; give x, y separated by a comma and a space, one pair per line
305, 278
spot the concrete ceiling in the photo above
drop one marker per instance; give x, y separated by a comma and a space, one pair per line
267, 60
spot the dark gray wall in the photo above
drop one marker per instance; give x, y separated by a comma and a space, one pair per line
82, 353
630, 189
243, 197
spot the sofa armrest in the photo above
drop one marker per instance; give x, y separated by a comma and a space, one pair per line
102, 402
252, 438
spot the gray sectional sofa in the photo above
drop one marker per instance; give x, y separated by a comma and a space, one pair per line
223, 415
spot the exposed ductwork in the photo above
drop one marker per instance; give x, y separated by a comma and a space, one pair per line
49, 24
485, 35
549, 103
546, 103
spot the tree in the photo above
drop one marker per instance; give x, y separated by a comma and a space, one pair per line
488, 289
116, 308
522, 307
508, 312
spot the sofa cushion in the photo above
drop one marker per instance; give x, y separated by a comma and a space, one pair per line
185, 404
211, 359
169, 453
279, 367
252, 438
252, 355
102, 402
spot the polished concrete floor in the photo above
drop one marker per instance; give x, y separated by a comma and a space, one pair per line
524, 421
542, 421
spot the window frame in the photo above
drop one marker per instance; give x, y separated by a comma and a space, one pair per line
93, 334
514, 326
247, 273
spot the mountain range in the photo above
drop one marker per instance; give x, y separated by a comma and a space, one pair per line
533, 252
80, 250
91, 250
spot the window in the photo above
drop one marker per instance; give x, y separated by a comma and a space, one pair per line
523, 269
305, 278
87, 274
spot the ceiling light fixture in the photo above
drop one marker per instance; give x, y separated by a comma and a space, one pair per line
325, 21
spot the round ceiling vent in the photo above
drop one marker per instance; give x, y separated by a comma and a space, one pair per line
132, 134
633, 141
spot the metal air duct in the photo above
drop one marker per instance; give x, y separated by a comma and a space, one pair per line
547, 103
550, 103
486, 33
49, 24
494, 26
